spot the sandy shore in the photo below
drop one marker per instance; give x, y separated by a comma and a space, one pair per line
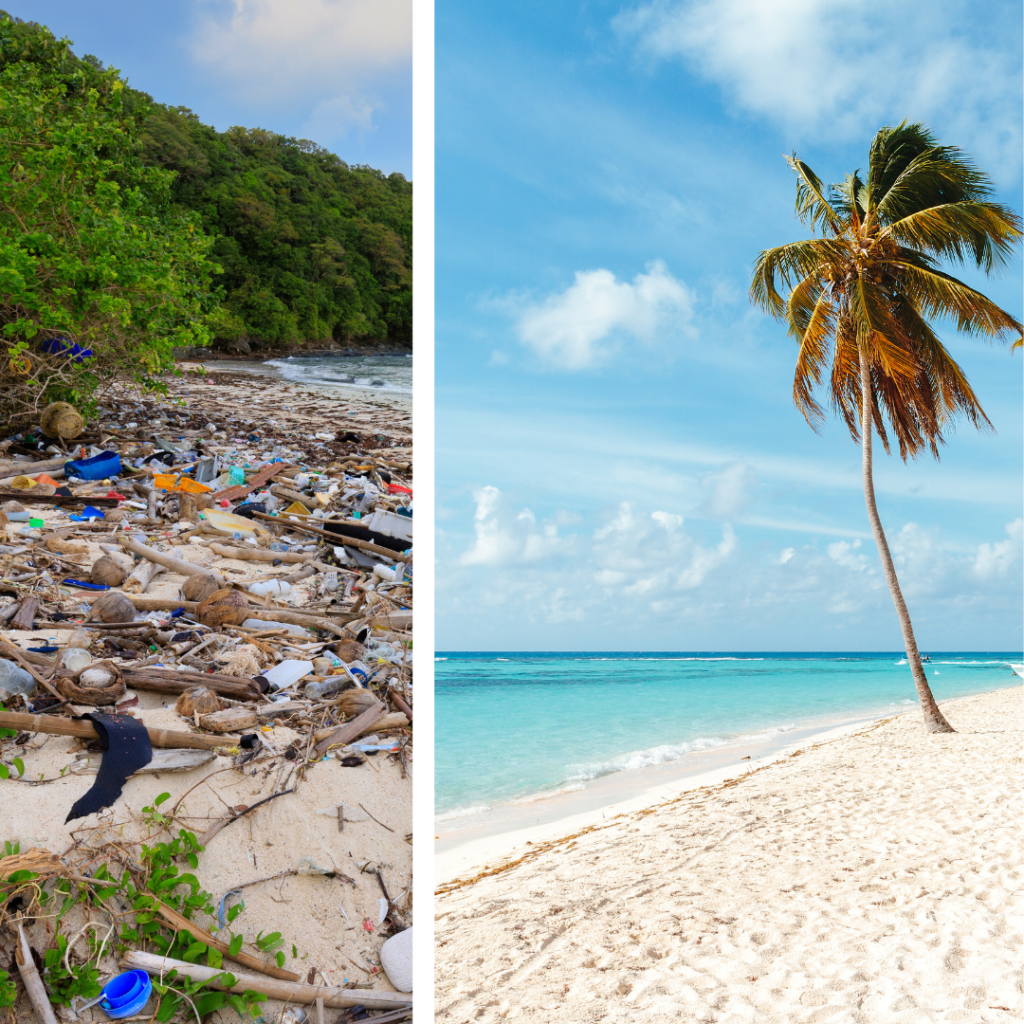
869, 878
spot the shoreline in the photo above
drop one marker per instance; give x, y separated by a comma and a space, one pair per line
464, 842
873, 876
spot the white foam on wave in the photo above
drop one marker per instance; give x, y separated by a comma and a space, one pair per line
440, 659
661, 754
461, 812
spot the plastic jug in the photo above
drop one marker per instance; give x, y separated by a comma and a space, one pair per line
286, 673
75, 659
14, 680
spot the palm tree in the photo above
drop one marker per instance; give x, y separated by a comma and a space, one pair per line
861, 297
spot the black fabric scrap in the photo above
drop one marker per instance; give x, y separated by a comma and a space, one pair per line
126, 749
363, 533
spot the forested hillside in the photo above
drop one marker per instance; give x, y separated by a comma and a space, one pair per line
311, 248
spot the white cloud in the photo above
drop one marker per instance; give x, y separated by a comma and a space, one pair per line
730, 491
583, 325
997, 560
842, 553
323, 52
843, 67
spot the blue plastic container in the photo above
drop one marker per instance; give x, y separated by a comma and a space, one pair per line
99, 467
126, 995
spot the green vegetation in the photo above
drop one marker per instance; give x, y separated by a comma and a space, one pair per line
861, 298
91, 247
311, 249
130, 229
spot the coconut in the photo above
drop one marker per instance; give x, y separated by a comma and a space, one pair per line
107, 570
355, 702
349, 650
115, 515
97, 677
199, 588
100, 685
225, 607
113, 606
12, 506
199, 698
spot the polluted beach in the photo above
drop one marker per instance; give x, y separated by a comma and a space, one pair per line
206, 682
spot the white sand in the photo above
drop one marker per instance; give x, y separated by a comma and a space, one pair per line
873, 878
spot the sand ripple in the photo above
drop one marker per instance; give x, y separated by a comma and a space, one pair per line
876, 878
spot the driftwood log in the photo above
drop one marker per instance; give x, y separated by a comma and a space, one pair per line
53, 726
286, 991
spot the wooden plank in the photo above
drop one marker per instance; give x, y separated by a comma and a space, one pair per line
241, 490
351, 730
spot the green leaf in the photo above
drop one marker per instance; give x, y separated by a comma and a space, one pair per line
5, 772
235, 945
194, 952
280, 959
214, 958
161, 798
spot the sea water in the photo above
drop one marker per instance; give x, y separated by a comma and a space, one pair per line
511, 726
383, 373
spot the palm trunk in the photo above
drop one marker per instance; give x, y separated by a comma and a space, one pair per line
933, 717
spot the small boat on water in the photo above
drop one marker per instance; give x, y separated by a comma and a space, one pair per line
1019, 669
925, 660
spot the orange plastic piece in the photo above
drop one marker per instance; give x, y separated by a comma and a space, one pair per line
44, 479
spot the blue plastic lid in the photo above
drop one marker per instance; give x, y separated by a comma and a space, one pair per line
126, 995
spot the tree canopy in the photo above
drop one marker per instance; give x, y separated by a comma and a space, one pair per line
101, 274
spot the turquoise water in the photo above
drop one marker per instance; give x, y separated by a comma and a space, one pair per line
512, 725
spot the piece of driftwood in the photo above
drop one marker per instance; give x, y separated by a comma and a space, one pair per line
54, 726
286, 991
395, 720
258, 554
230, 720
25, 619
29, 498
254, 483
178, 565
280, 708
155, 680
163, 761
141, 576
183, 924
400, 702
337, 539
33, 983
20, 657
350, 730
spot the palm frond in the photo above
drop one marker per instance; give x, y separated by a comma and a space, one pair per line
786, 264
985, 233
812, 206
935, 293
812, 317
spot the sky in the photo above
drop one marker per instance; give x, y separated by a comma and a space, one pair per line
337, 72
619, 462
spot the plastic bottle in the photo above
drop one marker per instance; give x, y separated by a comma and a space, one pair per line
359, 672
14, 680
277, 588
287, 672
325, 687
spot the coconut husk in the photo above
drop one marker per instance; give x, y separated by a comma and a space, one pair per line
354, 702
108, 570
61, 420
224, 607
115, 515
199, 588
112, 606
61, 546
12, 506
199, 699
349, 651
244, 662
96, 695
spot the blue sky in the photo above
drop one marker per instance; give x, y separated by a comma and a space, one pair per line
337, 72
619, 462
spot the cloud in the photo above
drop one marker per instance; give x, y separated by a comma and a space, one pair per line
842, 67
635, 577
326, 53
730, 491
583, 326
998, 560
